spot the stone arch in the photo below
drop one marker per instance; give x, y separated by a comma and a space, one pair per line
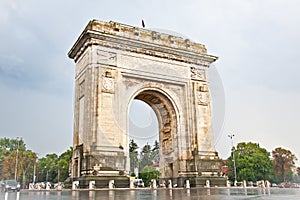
170, 78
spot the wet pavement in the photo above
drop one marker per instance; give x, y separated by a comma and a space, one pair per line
159, 194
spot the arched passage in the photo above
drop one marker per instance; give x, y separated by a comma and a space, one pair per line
166, 115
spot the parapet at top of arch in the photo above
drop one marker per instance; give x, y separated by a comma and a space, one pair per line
129, 38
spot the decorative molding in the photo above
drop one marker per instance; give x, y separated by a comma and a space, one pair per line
123, 37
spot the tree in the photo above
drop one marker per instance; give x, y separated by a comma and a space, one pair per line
47, 168
27, 161
155, 152
283, 161
51, 167
145, 157
8, 166
63, 164
252, 162
133, 155
54, 168
148, 173
7, 147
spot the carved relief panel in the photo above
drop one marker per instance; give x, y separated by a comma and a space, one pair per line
202, 95
108, 81
198, 74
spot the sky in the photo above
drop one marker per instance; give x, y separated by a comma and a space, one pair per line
257, 43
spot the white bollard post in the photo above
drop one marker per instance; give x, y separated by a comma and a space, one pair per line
263, 184
268, 184
47, 186
153, 184
163, 184
244, 183
169, 183
228, 184
131, 183
187, 184
207, 184
111, 184
92, 185
75, 185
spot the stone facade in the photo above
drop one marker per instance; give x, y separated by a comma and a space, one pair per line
116, 64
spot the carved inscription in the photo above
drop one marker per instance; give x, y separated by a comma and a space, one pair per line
106, 58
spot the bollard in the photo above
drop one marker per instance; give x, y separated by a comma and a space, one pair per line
92, 185
131, 183
163, 184
153, 184
251, 184
187, 184
263, 184
169, 183
31, 186
207, 184
228, 184
75, 185
47, 186
244, 183
268, 184
111, 184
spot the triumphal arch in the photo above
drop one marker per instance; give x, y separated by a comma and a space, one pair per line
117, 63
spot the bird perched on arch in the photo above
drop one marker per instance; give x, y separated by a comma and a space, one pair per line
143, 23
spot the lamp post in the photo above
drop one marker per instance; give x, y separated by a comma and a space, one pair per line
47, 175
17, 154
233, 158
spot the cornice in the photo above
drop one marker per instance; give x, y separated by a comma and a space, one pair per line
127, 38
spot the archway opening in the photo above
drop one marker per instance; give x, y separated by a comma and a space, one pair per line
143, 136
159, 158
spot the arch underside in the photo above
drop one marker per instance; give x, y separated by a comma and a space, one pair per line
167, 121
166, 116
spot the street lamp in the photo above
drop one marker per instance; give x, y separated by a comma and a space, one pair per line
233, 159
47, 176
47, 173
16, 167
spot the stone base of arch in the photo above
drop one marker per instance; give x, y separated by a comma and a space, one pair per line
199, 171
